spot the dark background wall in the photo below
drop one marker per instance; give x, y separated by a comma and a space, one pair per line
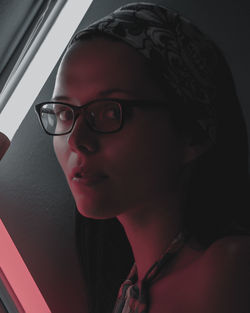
36, 204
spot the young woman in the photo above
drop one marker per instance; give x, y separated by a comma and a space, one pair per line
148, 129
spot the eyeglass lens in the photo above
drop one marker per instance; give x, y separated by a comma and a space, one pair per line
58, 118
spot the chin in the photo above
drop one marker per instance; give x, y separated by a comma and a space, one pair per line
95, 209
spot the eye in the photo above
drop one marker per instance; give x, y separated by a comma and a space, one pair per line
104, 111
111, 113
104, 115
64, 115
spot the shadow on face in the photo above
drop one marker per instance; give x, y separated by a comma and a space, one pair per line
141, 163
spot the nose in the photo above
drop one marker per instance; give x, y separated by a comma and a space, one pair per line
82, 139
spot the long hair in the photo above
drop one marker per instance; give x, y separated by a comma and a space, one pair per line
217, 200
218, 192
106, 258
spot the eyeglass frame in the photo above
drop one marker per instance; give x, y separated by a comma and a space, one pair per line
124, 105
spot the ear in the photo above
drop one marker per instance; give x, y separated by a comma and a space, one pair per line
195, 150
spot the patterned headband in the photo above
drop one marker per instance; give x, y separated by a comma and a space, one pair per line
184, 57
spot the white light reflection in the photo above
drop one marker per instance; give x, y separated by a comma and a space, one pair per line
41, 66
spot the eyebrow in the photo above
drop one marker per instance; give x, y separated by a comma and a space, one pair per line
101, 94
115, 90
60, 98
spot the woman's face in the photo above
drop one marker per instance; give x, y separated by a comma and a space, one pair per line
128, 170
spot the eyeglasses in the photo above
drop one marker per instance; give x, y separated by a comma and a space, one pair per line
102, 115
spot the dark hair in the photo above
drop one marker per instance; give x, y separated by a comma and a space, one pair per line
217, 201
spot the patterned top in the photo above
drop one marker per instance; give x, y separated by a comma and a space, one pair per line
130, 298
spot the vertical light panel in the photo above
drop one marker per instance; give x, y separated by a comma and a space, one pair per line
18, 290
17, 287
41, 64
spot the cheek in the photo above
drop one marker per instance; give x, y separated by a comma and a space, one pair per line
143, 160
60, 148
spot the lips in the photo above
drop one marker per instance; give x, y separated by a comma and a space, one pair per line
83, 176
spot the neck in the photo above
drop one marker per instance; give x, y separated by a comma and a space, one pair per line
150, 230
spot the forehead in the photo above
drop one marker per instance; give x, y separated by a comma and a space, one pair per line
103, 51
101, 63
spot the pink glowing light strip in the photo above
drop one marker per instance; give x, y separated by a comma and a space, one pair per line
17, 279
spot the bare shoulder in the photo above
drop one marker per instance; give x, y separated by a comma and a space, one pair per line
233, 249
224, 284
217, 281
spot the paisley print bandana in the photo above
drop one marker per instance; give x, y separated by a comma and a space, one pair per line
185, 59
133, 300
